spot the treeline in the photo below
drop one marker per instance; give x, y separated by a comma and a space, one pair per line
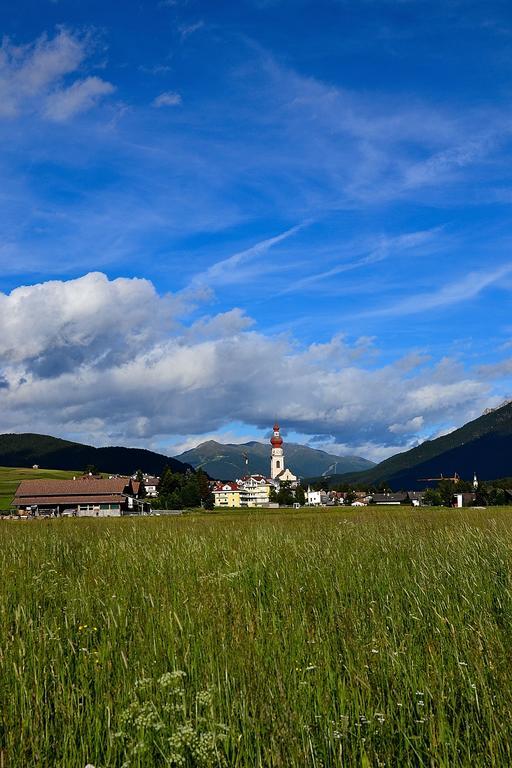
180, 491
323, 485
490, 493
286, 495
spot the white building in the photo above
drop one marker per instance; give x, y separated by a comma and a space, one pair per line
256, 490
151, 485
316, 498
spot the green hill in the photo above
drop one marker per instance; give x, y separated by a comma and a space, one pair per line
483, 446
11, 477
227, 462
25, 450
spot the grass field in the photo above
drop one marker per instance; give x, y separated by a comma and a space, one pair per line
328, 638
10, 477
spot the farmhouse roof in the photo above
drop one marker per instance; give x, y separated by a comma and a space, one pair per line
81, 487
41, 501
389, 497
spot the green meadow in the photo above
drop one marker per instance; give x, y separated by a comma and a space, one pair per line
372, 637
10, 477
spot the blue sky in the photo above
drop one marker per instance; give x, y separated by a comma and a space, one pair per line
217, 214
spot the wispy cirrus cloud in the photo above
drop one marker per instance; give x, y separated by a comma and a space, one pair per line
384, 247
35, 77
231, 270
167, 99
189, 29
81, 96
456, 292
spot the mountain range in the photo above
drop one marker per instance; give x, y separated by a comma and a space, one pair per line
483, 446
227, 461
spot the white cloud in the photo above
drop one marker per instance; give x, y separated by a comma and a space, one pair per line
167, 99
79, 97
412, 426
379, 251
111, 358
230, 270
35, 78
189, 29
456, 292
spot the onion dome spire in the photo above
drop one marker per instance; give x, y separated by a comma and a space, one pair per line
276, 439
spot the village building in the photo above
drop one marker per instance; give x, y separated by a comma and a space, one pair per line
316, 498
417, 498
278, 470
84, 497
391, 499
151, 486
464, 500
229, 494
256, 489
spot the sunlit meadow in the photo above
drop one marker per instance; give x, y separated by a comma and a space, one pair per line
340, 638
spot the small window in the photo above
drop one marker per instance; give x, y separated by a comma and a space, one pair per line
278, 464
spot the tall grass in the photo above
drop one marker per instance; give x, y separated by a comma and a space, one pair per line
365, 638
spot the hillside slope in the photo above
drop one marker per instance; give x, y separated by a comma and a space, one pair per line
227, 462
483, 446
25, 450
11, 477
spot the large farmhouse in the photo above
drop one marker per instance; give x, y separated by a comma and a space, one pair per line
83, 497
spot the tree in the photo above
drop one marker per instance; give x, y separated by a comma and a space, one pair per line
174, 501
432, 498
300, 496
139, 478
209, 501
169, 482
285, 495
350, 496
190, 494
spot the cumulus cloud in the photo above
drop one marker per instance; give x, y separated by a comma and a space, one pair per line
167, 99
36, 77
94, 356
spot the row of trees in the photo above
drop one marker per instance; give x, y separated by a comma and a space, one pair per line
286, 495
489, 494
179, 491
319, 485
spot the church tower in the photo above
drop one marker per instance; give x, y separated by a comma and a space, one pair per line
277, 457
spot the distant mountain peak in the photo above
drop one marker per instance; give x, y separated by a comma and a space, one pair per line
226, 461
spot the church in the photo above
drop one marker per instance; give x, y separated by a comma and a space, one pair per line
278, 471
